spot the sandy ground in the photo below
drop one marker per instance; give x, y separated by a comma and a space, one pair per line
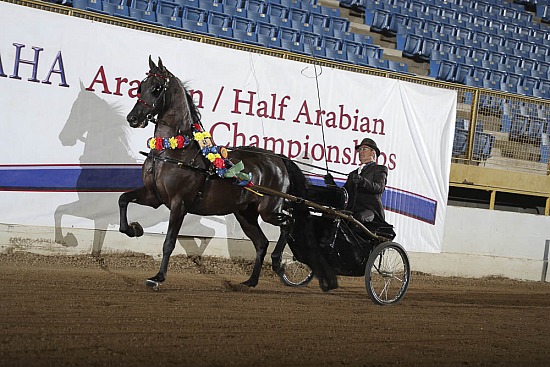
85, 311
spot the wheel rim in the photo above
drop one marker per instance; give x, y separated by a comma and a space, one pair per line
389, 276
296, 273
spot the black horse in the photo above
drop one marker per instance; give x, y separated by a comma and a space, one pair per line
177, 174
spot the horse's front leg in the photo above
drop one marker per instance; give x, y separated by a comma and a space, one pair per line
141, 196
177, 213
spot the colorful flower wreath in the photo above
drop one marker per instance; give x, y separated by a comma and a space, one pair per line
216, 154
174, 142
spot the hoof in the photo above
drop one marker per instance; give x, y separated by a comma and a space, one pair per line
249, 283
153, 284
280, 271
327, 285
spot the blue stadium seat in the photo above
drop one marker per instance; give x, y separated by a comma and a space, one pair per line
80, 4
336, 55
221, 31
194, 26
371, 51
509, 87
332, 12
461, 72
412, 46
341, 24
117, 8
380, 21
270, 41
219, 19
398, 66
95, 5
481, 72
195, 14
320, 20
246, 37
277, 12
143, 10
427, 46
483, 145
460, 141
289, 34
322, 31
292, 46
169, 21
298, 15
396, 20
242, 24
210, 5
266, 29
446, 70
168, 8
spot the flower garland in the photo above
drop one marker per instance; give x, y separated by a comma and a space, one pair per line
216, 154
174, 142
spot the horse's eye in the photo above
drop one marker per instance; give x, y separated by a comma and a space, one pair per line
155, 91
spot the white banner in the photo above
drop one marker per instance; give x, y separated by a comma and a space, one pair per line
68, 152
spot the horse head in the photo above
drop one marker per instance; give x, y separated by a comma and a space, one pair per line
153, 95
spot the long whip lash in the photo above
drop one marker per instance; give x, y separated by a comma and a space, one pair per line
319, 101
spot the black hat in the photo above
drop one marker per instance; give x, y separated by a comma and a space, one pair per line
369, 143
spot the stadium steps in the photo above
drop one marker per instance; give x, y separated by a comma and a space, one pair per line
388, 44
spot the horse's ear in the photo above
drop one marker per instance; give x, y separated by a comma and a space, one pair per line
151, 63
161, 67
82, 87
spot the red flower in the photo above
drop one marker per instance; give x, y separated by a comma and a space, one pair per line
180, 141
197, 127
158, 144
219, 163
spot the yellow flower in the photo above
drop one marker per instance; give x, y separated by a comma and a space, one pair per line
199, 136
206, 135
152, 143
173, 142
211, 156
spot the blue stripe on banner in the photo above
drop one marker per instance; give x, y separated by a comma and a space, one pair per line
410, 204
123, 178
78, 178
406, 203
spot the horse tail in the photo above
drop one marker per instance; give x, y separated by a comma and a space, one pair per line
298, 181
301, 234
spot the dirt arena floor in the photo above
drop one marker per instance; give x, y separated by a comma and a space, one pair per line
84, 311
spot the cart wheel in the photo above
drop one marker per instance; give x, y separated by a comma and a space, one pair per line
295, 273
387, 274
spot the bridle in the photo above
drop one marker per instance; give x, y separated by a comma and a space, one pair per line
162, 94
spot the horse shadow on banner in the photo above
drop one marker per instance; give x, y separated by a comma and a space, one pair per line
103, 129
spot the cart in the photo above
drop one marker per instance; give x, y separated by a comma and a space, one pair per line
351, 248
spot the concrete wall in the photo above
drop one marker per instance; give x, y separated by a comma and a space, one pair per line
480, 242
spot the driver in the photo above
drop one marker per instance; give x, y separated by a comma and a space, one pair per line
366, 184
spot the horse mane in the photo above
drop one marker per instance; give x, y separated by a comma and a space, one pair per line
193, 109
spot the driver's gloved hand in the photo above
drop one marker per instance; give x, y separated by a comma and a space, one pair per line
355, 178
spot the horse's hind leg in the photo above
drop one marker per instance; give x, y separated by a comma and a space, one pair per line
249, 223
141, 196
277, 254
